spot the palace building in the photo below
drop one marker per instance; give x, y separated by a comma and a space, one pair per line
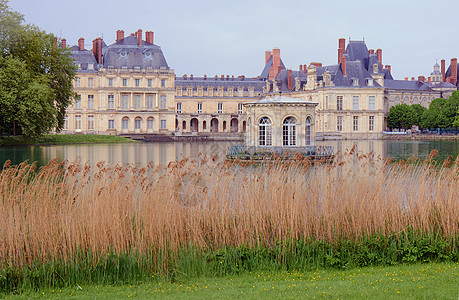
128, 88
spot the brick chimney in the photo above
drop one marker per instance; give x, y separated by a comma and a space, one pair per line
421, 78
429, 79
267, 56
443, 72
379, 54
276, 67
184, 76
301, 68
343, 65
191, 77
341, 48
119, 35
406, 78
372, 51
97, 49
389, 68
205, 76
304, 69
412, 78
317, 64
64, 43
289, 80
139, 37
81, 43
149, 36
454, 71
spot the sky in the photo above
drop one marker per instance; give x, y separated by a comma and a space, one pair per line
216, 37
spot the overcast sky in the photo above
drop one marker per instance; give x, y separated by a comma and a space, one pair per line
229, 37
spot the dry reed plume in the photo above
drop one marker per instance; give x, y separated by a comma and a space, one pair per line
66, 207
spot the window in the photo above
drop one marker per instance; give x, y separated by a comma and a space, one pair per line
250, 93
90, 82
137, 123
355, 123
220, 108
179, 107
220, 92
111, 124
125, 82
163, 102
371, 103
90, 101
264, 132
339, 103
355, 81
371, 123
77, 81
241, 93
78, 122
111, 102
199, 107
110, 82
125, 123
308, 131
78, 102
137, 82
355, 103
124, 101
150, 82
339, 123
163, 124
239, 108
137, 101
150, 123
66, 123
90, 122
289, 132
149, 101
163, 82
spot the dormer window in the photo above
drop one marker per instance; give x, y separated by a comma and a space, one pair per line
123, 53
355, 81
375, 68
90, 66
369, 81
147, 54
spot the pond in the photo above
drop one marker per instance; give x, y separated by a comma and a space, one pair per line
163, 153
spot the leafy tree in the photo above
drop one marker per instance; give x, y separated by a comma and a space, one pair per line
400, 116
35, 77
434, 117
418, 110
451, 109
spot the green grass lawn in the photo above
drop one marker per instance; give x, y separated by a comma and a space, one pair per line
421, 281
55, 139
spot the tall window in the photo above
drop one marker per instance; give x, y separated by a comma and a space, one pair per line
371, 102
90, 122
241, 92
137, 123
110, 82
163, 102
125, 123
111, 102
199, 107
78, 122
179, 107
77, 82
355, 103
90, 101
125, 81
90, 82
150, 123
137, 101
220, 108
150, 82
124, 101
78, 102
111, 124
371, 123
66, 123
163, 124
308, 131
163, 82
339, 123
137, 82
264, 132
355, 123
339, 103
149, 101
239, 108
289, 132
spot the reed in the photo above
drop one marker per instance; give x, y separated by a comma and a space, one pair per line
68, 223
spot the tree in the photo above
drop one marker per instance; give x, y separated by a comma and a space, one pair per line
434, 117
35, 77
400, 116
418, 110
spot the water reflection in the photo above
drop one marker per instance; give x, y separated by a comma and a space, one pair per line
163, 153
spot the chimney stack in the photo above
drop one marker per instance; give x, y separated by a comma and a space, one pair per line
301, 68
289, 82
372, 51
343, 65
406, 78
119, 35
149, 36
379, 54
317, 64
139, 37
341, 48
412, 78
276, 57
443, 70
99, 50
191, 77
81, 43
267, 56
389, 68
454, 71
429, 79
276, 67
64, 43
421, 78
205, 76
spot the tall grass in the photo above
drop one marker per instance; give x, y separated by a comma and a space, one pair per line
68, 223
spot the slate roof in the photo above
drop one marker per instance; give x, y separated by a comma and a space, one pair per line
357, 50
443, 85
406, 85
225, 82
265, 73
448, 73
84, 58
279, 99
354, 70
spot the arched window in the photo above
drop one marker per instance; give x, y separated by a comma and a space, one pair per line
289, 132
308, 131
125, 123
264, 132
137, 123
